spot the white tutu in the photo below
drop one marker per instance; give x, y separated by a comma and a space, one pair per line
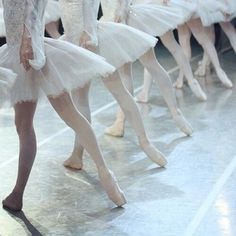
2, 24
67, 67
7, 79
210, 11
121, 44
52, 12
154, 19
186, 8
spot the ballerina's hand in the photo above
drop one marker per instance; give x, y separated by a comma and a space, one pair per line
118, 18
166, 2
84, 40
26, 52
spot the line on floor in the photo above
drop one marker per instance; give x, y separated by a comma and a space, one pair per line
103, 108
209, 201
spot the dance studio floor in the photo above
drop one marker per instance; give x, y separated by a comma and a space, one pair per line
194, 195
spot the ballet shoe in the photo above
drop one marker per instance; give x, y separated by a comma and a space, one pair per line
197, 90
201, 70
110, 185
13, 202
116, 130
224, 78
182, 123
142, 97
154, 154
73, 162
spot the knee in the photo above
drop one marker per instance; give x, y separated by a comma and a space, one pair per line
23, 127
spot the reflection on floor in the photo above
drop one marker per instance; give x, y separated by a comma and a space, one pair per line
194, 195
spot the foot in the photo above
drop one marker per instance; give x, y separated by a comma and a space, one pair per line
74, 162
224, 78
201, 70
179, 83
13, 202
197, 90
110, 185
116, 130
183, 124
154, 154
142, 97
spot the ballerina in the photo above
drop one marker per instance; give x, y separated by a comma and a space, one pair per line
224, 19
195, 26
156, 18
79, 18
40, 65
110, 9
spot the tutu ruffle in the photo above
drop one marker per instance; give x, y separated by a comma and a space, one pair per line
7, 79
52, 12
154, 19
121, 44
67, 68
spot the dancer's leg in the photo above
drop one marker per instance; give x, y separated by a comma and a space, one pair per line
81, 101
185, 42
229, 30
163, 81
52, 29
24, 114
170, 43
66, 110
204, 64
143, 96
127, 103
117, 128
200, 33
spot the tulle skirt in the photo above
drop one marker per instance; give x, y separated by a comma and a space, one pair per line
67, 68
211, 11
186, 8
7, 79
154, 19
120, 44
52, 12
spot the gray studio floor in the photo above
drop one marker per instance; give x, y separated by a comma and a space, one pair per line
194, 195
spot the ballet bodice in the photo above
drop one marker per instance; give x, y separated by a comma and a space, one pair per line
28, 13
78, 16
112, 8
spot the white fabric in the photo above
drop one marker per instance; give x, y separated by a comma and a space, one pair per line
117, 43
155, 19
66, 67
52, 12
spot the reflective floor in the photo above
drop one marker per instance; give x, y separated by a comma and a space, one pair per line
194, 195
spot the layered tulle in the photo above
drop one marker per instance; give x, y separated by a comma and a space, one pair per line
121, 44
154, 19
67, 68
7, 79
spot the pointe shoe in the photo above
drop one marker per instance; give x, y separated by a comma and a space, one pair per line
197, 90
110, 185
182, 123
142, 97
179, 83
116, 130
74, 162
201, 70
224, 78
154, 154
